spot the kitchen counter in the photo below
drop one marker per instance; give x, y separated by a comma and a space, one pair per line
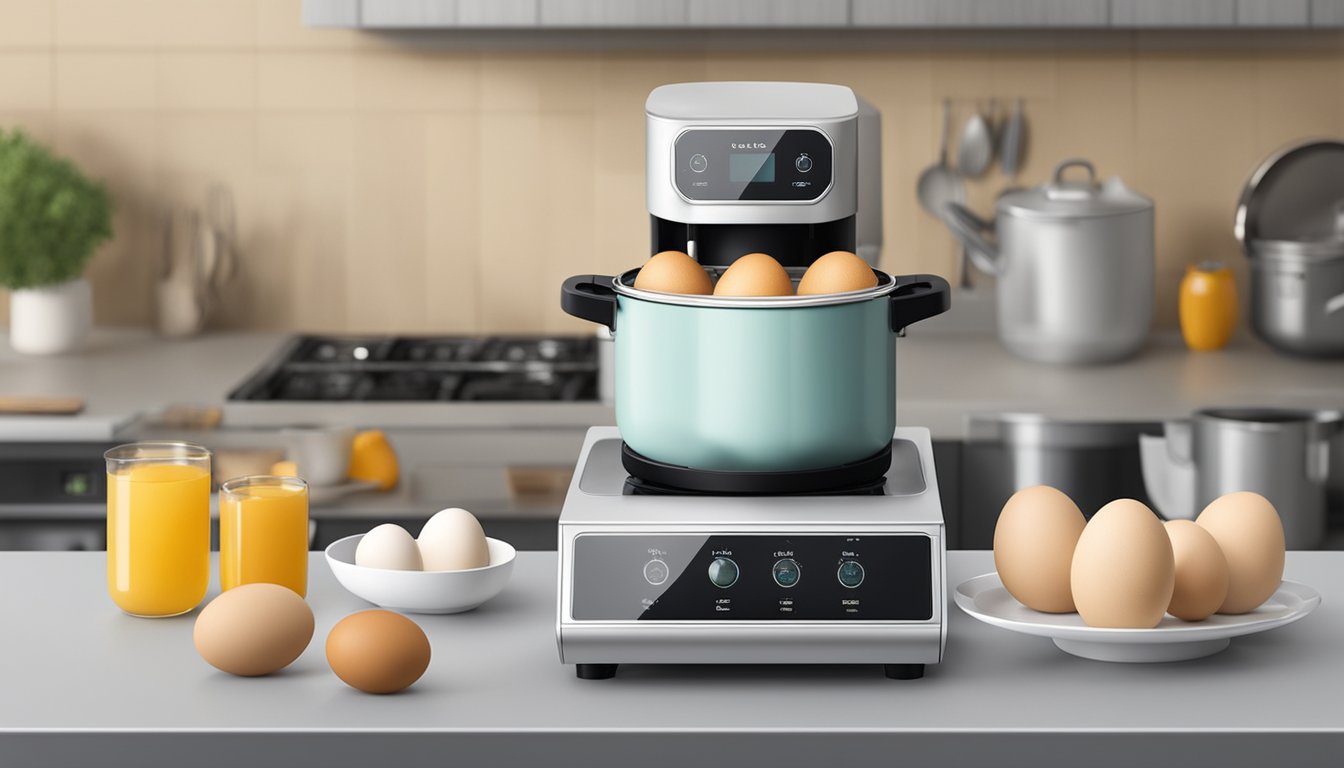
942, 377
85, 683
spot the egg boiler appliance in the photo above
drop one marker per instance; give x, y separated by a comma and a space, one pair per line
652, 573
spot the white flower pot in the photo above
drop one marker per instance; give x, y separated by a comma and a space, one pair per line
51, 319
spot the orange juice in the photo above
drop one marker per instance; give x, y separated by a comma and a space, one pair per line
263, 532
158, 537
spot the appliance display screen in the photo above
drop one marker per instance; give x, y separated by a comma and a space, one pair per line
748, 167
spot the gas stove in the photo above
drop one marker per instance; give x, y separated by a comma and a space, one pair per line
427, 368
852, 576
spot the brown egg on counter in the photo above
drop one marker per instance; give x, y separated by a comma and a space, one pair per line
673, 272
1034, 540
377, 651
1124, 571
1201, 572
755, 274
837, 272
1250, 533
253, 629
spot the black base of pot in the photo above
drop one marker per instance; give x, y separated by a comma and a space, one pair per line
649, 476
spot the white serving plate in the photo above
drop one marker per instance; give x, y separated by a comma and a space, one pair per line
985, 598
422, 591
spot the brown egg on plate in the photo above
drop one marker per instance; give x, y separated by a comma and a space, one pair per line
1124, 572
755, 274
1250, 533
1034, 539
1201, 572
673, 272
253, 629
377, 651
837, 272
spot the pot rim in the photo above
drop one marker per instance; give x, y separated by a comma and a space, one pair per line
623, 284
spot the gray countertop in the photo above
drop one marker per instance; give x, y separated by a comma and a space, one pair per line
942, 377
85, 683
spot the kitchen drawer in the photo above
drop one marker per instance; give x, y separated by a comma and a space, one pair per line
768, 13
980, 13
1173, 13
613, 13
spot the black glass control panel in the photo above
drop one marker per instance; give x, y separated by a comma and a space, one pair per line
752, 164
671, 577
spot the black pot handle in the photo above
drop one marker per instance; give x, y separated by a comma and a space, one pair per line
591, 298
918, 297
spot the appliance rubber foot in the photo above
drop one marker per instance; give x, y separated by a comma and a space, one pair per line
605, 671
903, 671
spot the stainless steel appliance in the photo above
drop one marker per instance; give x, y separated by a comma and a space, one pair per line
1075, 268
1284, 455
774, 518
649, 575
780, 384
411, 368
52, 496
1094, 462
1290, 221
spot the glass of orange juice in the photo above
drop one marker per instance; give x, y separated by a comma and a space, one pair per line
263, 532
158, 527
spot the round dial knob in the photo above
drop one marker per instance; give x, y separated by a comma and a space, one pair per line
699, 163
850, 573
803, 163
723, 572
786, 572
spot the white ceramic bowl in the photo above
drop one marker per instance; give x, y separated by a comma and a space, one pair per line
422, 591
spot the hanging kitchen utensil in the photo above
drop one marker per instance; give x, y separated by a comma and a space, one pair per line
975, 151
939, 185
1012, 142
179, 292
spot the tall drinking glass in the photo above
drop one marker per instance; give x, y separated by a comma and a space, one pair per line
263, 532
158, 527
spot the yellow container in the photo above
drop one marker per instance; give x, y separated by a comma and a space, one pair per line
263, 532
1208, 306
158, 527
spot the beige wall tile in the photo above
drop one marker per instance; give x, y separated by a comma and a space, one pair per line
25, 23
305, 81
513, 239
110, 81
568, 218
535, 82
311, 145
280, 26
385, 226
39, 125
26, 81
162, 23
207, 81
415, 82
452, 284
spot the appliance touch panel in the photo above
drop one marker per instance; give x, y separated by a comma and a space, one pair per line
751, 164
753, 577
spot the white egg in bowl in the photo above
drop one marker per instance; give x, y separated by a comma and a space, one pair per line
422, 591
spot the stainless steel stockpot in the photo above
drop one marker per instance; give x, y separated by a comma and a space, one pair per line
755, 384
1075, 269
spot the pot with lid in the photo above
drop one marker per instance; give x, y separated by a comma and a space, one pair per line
1074, 262
1290, 222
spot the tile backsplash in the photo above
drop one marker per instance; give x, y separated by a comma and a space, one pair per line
384, 185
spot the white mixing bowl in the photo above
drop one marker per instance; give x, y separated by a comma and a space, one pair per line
422, 591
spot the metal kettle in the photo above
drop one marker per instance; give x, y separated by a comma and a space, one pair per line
1282, 454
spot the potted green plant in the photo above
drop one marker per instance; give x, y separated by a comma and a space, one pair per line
52, 218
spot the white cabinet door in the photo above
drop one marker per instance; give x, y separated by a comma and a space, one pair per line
331, 13
768, 13
406, 14
497, 13
980, 13
613, 13
1273, 13
1173, 13
1327, 13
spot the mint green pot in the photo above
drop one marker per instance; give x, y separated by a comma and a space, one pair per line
749, 384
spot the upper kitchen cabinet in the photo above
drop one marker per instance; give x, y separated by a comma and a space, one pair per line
980, 14
544, 15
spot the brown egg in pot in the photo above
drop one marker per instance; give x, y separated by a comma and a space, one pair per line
755, 274
837, 272
673, 272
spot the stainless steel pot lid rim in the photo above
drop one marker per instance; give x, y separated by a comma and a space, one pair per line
1295, 250
1062, 198
624, 284
1294, 194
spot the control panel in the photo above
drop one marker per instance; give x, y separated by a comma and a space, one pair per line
752, 577
724, 164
